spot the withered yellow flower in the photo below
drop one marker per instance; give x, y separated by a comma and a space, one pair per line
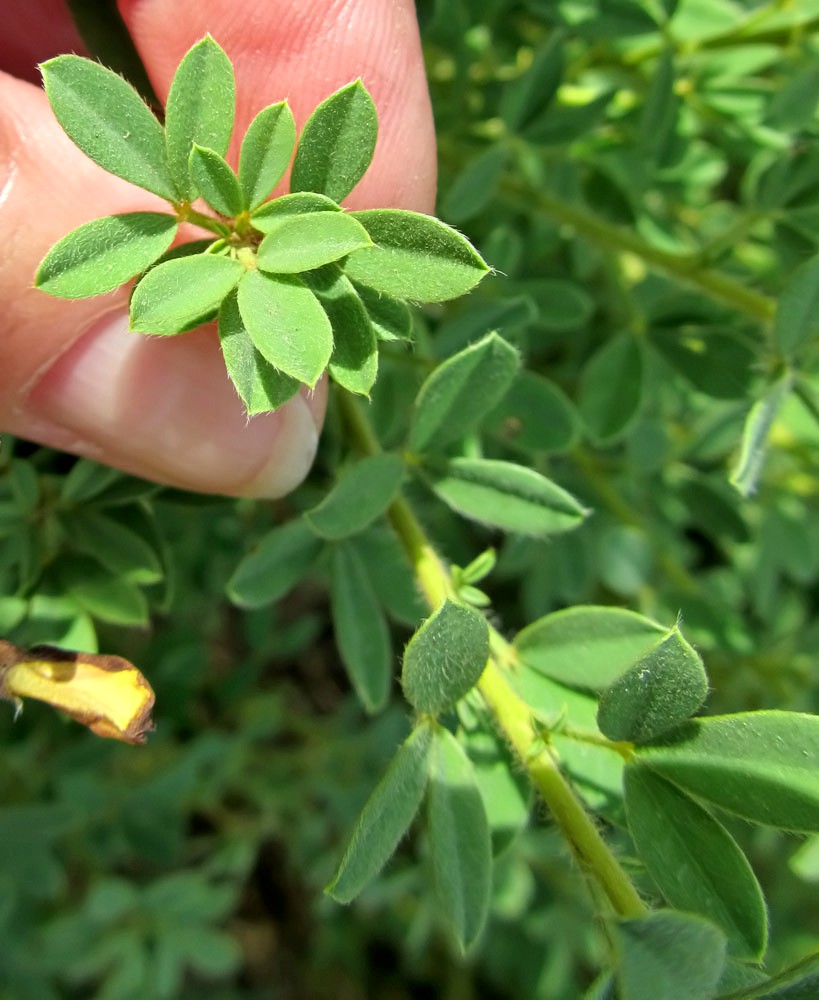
106, 693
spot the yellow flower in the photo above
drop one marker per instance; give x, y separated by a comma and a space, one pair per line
106, 693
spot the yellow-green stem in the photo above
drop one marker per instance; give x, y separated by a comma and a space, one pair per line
588, 847
510, 711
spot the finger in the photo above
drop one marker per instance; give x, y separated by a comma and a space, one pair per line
33, 32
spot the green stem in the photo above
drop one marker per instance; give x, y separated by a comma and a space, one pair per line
687, 269
511, 712
185, 213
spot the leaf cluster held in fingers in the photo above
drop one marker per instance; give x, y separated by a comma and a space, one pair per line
278, 273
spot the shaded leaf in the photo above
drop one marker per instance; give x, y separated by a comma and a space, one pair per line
360, 629
611, 388
362, 494
696, 864
275, 565
668, 956
459, 839
474, 187
533, 91
385, 817
797, 311
391, 319
536, 416
354, 361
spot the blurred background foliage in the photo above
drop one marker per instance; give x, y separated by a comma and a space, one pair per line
644, 176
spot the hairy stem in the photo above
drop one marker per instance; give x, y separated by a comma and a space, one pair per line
510, 711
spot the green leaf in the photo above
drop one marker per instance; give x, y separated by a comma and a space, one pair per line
215, 181
414, 257
182, 293
109, 121
269, 215
274, 566
297, 243
715, 361
668, 956
363, 494
532, 92
445, 658
479, 317
696, 864
563, 305
474, 187
86, 479
385, 817
797, 311
587, 646
536, 416
266, 151
199, 110
118, 548
286, 324
354, 361
759, 765
391, 574
108, 598
459, 839
260, 386
360, 628
100, 255
461, 391
748, 466
391, 319
611, 388
503, 495
663, 689
337, 143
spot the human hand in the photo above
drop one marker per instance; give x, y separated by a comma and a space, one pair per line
71, 375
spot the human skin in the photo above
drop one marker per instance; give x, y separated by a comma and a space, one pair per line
71, 375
